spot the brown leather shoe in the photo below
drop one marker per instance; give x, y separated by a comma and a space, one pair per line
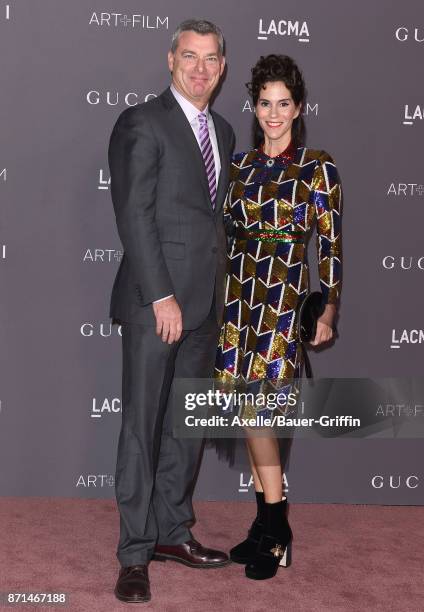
191, 553
133, 584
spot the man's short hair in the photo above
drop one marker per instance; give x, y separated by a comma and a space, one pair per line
200, 26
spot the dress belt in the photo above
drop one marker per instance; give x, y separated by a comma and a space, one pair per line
270, 235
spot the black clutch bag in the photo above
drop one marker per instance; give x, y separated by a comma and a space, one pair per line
308, 312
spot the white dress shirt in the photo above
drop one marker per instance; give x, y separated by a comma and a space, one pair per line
192, 113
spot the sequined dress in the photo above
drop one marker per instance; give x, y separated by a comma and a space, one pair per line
274, 203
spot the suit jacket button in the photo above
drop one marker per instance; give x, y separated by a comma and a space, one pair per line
214, 250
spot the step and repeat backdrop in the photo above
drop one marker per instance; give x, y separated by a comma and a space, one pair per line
67, 69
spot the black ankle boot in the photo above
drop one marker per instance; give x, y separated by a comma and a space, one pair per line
274, 547
245, 551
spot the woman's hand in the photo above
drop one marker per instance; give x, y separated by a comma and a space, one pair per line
324, 331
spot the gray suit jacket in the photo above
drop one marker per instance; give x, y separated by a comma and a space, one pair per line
174, 241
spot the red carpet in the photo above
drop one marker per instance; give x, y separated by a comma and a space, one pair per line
357, 558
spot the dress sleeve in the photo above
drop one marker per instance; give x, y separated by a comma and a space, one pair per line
326, 197
229, 223
228, 220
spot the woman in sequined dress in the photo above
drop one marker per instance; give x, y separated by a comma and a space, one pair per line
278, 191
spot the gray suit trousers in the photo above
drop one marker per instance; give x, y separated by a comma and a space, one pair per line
155, 472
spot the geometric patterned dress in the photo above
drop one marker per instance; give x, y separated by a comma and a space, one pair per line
274, 203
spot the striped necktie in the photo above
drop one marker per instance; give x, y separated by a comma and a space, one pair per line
207, 153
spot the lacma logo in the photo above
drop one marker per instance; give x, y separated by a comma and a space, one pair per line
403, 34
104, 181
115, 20
407, 336
106, 406
283, 27
113, 98
246, 482
412, 114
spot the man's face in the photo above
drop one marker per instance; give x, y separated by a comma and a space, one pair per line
196, 66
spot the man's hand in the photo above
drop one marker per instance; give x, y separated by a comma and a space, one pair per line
169, 322
324, 331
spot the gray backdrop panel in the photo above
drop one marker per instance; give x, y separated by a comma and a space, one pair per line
67, 71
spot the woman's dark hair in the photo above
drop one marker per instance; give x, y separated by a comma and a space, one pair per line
283, 68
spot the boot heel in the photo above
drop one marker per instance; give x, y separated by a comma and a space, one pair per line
285, 560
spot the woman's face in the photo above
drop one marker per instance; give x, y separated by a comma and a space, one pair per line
276, 111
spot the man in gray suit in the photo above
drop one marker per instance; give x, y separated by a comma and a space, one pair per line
169, 161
